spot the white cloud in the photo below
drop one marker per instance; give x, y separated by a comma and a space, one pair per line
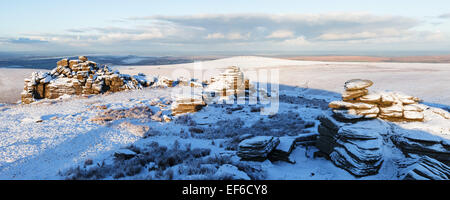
215, 36
229, 36
299, 41
347, 36
237, 36
280, 34
196, 31
445, 16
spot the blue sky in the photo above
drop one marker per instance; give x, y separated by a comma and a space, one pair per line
149, 27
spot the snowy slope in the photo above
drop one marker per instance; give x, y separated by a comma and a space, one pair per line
425, 80
39, 141
46, 139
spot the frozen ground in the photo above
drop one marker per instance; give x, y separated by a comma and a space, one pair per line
11, 83
425, 80
49, 139
56, 139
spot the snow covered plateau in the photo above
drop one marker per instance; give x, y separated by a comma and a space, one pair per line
70, 137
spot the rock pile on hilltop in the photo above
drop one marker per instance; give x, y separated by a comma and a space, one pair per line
228, 85
358, 103
77, 77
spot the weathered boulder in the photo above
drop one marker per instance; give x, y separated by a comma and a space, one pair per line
187, 104
349, 105
306, 139
135, 129
370, 98
352, 115
77, 77
355, 147
228, 85
82, 58
257, 148
413, 115
441, 112
352, 94
394, 111
358, 104
124, 154
427, 168
284, 149
357, 84
422, 143
110, 115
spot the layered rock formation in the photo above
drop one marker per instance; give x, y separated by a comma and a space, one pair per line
77, 77
110, 115
257, 148
423, 144
427, 168
355, 147
283, 149
358, 103
229, 84
187, 104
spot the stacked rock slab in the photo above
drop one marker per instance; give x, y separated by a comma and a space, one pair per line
228, 84
257, 148
77, 77
188, 104
358, 103
355, 147
427, 168
422, 144
283, 149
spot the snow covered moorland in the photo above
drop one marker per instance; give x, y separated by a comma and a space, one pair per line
135, 135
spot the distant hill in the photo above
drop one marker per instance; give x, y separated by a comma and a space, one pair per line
406, 59
36, 62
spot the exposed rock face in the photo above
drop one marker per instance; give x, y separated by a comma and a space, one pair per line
227, 85
77, 77
428, 169
138, 130
348, 95
306, 139
355, 147
358, 103
441, 112
142, 112
257, 148
422, 143
284, 149
357, 84
188, 104
124, 154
